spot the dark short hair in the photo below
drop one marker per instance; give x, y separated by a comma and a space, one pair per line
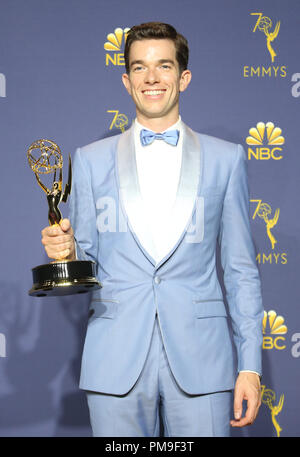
158, 30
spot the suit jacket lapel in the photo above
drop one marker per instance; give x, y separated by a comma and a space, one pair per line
130, 194
188, 186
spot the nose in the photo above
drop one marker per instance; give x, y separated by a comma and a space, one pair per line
151, 76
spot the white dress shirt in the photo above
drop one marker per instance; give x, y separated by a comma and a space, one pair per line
158, 168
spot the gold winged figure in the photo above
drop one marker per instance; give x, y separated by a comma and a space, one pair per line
264, 211
268, 397
49, 161
264, 25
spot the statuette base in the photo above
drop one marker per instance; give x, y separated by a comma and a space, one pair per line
65, 277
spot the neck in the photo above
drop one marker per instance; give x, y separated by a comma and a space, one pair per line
157, 124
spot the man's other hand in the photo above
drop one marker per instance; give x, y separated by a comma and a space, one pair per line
247, 387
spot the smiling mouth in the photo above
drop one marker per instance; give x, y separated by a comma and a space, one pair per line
154, 92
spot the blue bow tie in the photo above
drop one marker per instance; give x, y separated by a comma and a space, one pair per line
170, 137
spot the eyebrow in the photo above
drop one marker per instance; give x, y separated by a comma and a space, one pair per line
160, 61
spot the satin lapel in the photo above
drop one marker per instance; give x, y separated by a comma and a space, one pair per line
189, 183
130, 195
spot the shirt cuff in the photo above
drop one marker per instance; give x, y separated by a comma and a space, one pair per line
251, 371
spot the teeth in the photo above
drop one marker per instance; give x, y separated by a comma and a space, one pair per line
153, 92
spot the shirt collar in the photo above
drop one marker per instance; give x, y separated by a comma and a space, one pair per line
138, 126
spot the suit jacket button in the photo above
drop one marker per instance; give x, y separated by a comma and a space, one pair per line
157, 280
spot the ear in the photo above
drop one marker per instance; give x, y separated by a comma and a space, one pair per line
126, 82
185, 80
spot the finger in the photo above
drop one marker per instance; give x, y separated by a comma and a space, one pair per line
56, 240
59, 243
246, 420
65, 225
240, 423
58, 254
238, 404
56, 248
63, 254
250, 414
258, 406
52, 230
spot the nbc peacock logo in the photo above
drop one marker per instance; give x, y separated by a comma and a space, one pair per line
265, 141
114, 44
273, 329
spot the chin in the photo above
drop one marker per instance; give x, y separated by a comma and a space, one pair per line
153, 114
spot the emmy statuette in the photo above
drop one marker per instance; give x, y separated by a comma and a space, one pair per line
60, 277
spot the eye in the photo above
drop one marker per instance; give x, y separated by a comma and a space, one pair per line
165, 66
138, 68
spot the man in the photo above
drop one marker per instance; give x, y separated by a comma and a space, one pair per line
157, 341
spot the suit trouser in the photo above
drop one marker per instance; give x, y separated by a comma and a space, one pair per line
156, 398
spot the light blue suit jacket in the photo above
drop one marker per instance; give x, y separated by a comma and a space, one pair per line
107, 215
